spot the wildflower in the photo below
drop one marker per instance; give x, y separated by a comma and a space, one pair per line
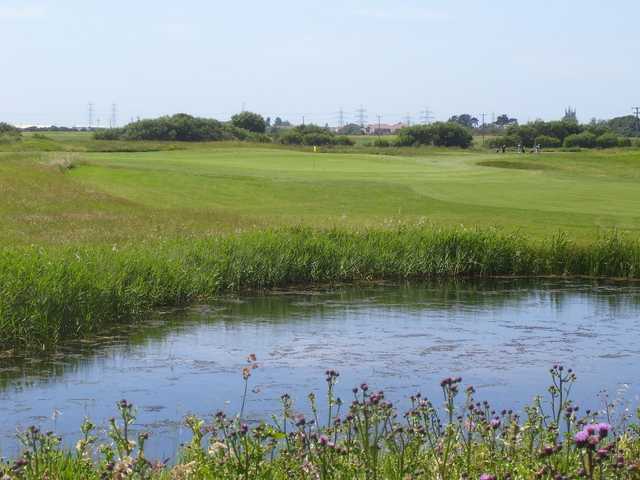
603, 429
486, 476
364, 387
323, 440
581, 438
495, 423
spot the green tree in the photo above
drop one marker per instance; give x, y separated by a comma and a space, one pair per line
249, 121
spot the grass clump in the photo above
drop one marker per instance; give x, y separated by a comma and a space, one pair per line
366, 437
48, 294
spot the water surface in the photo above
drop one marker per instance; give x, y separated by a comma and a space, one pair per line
500, 336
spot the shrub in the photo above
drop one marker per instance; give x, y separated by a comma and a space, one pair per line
404, 140
260, 138
506, 140
179, 127
291, 137
624, 142
109, 134
344, 140
580, 140
546, 141
250, 121
607, 140
381, 143
6, 128
419, 134
317, 138
451, 135
9, 133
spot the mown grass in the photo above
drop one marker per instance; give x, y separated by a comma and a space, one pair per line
204, 189
48, 294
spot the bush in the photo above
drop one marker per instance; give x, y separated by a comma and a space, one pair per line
419, 134
6, 128
580, 140
451, 135
624, 142
607, 140
506, 140
250, 121
440, 134
546, 141
404, 140
344, 140
260, 138
316, 138
291, 137
108, 134
180, 127
381, 143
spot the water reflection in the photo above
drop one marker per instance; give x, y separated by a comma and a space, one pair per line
499, 335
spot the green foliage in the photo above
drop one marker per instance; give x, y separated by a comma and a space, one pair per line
381, 143
580, 140
250, 121
439, 134
291, 137
607, 140
9, 133
545, 141
6, 128
416, 135
180, 127
404, 140
451, 135
313, 135
351, 129
109, 134
626, 126
508, 141
465, 120
344, 140
47, 295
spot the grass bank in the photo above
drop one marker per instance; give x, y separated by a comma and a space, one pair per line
48, 294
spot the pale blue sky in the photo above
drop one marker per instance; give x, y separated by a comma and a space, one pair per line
529, 58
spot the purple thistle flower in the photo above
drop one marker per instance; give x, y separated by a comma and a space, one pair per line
581, 438
603, 429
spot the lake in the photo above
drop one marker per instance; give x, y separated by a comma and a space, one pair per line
501, 336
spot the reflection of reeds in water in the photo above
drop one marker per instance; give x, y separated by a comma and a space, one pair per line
49, 294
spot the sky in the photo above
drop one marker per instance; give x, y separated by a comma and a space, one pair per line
527, 58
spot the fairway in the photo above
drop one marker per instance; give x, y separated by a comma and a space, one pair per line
206, 189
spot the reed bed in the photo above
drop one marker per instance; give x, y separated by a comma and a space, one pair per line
48, 294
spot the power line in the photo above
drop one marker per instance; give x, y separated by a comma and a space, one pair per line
426, 116
361, 115
483, 126
341, 117
90, 114
407, 119
113, 121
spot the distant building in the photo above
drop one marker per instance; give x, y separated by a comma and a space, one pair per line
383, 128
